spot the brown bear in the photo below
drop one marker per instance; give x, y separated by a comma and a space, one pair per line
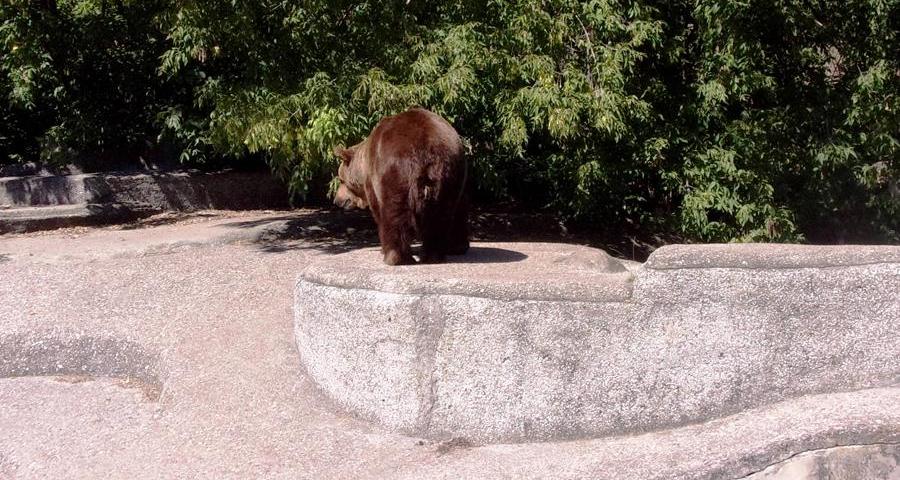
411, 173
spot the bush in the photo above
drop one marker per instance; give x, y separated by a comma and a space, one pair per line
80, 79
772, 121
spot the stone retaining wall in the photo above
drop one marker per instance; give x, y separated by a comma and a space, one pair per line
48, 202
155, 191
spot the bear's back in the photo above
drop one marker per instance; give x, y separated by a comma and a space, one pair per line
416, 134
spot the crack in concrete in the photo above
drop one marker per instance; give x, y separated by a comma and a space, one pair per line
430, 333
797, 454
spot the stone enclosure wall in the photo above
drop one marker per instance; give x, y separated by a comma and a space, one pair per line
47, 202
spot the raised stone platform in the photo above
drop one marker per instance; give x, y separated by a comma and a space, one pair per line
535, 342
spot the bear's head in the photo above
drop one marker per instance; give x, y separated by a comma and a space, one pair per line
352, 175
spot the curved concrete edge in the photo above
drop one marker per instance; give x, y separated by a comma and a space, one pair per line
690, 345
756, 442
77, 354
22, 220
874, 461
106, 244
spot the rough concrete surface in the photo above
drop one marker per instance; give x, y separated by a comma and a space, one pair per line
204, 228
769, 256
122, 356
443, 352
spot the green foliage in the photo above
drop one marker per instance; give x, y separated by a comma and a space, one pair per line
778, 148
79, 77
725, 121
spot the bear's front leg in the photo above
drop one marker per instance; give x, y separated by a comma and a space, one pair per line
396, 251
393, 225
391, 242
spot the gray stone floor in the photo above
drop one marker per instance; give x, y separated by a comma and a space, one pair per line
167, 351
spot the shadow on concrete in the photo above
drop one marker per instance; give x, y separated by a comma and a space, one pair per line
488, 255
4, 257
326, 230
338, 231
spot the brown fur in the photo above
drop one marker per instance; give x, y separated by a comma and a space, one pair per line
411, 173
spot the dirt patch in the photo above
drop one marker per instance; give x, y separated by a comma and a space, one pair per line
73, 378
456, 443
151, 391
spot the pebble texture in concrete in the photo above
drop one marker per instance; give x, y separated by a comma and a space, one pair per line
556, 342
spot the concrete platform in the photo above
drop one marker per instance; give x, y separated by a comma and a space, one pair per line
169, 352
538, 342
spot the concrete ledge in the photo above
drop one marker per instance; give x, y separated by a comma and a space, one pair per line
772, 442
567, 343
77, 354
185, 191
531, 272
34, 191
769, 256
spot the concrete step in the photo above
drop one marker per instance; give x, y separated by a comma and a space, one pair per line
29, 219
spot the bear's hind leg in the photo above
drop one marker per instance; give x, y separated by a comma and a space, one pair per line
458, 237
434, 242
434, 226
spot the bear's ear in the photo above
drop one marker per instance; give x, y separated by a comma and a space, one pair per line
345, 154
